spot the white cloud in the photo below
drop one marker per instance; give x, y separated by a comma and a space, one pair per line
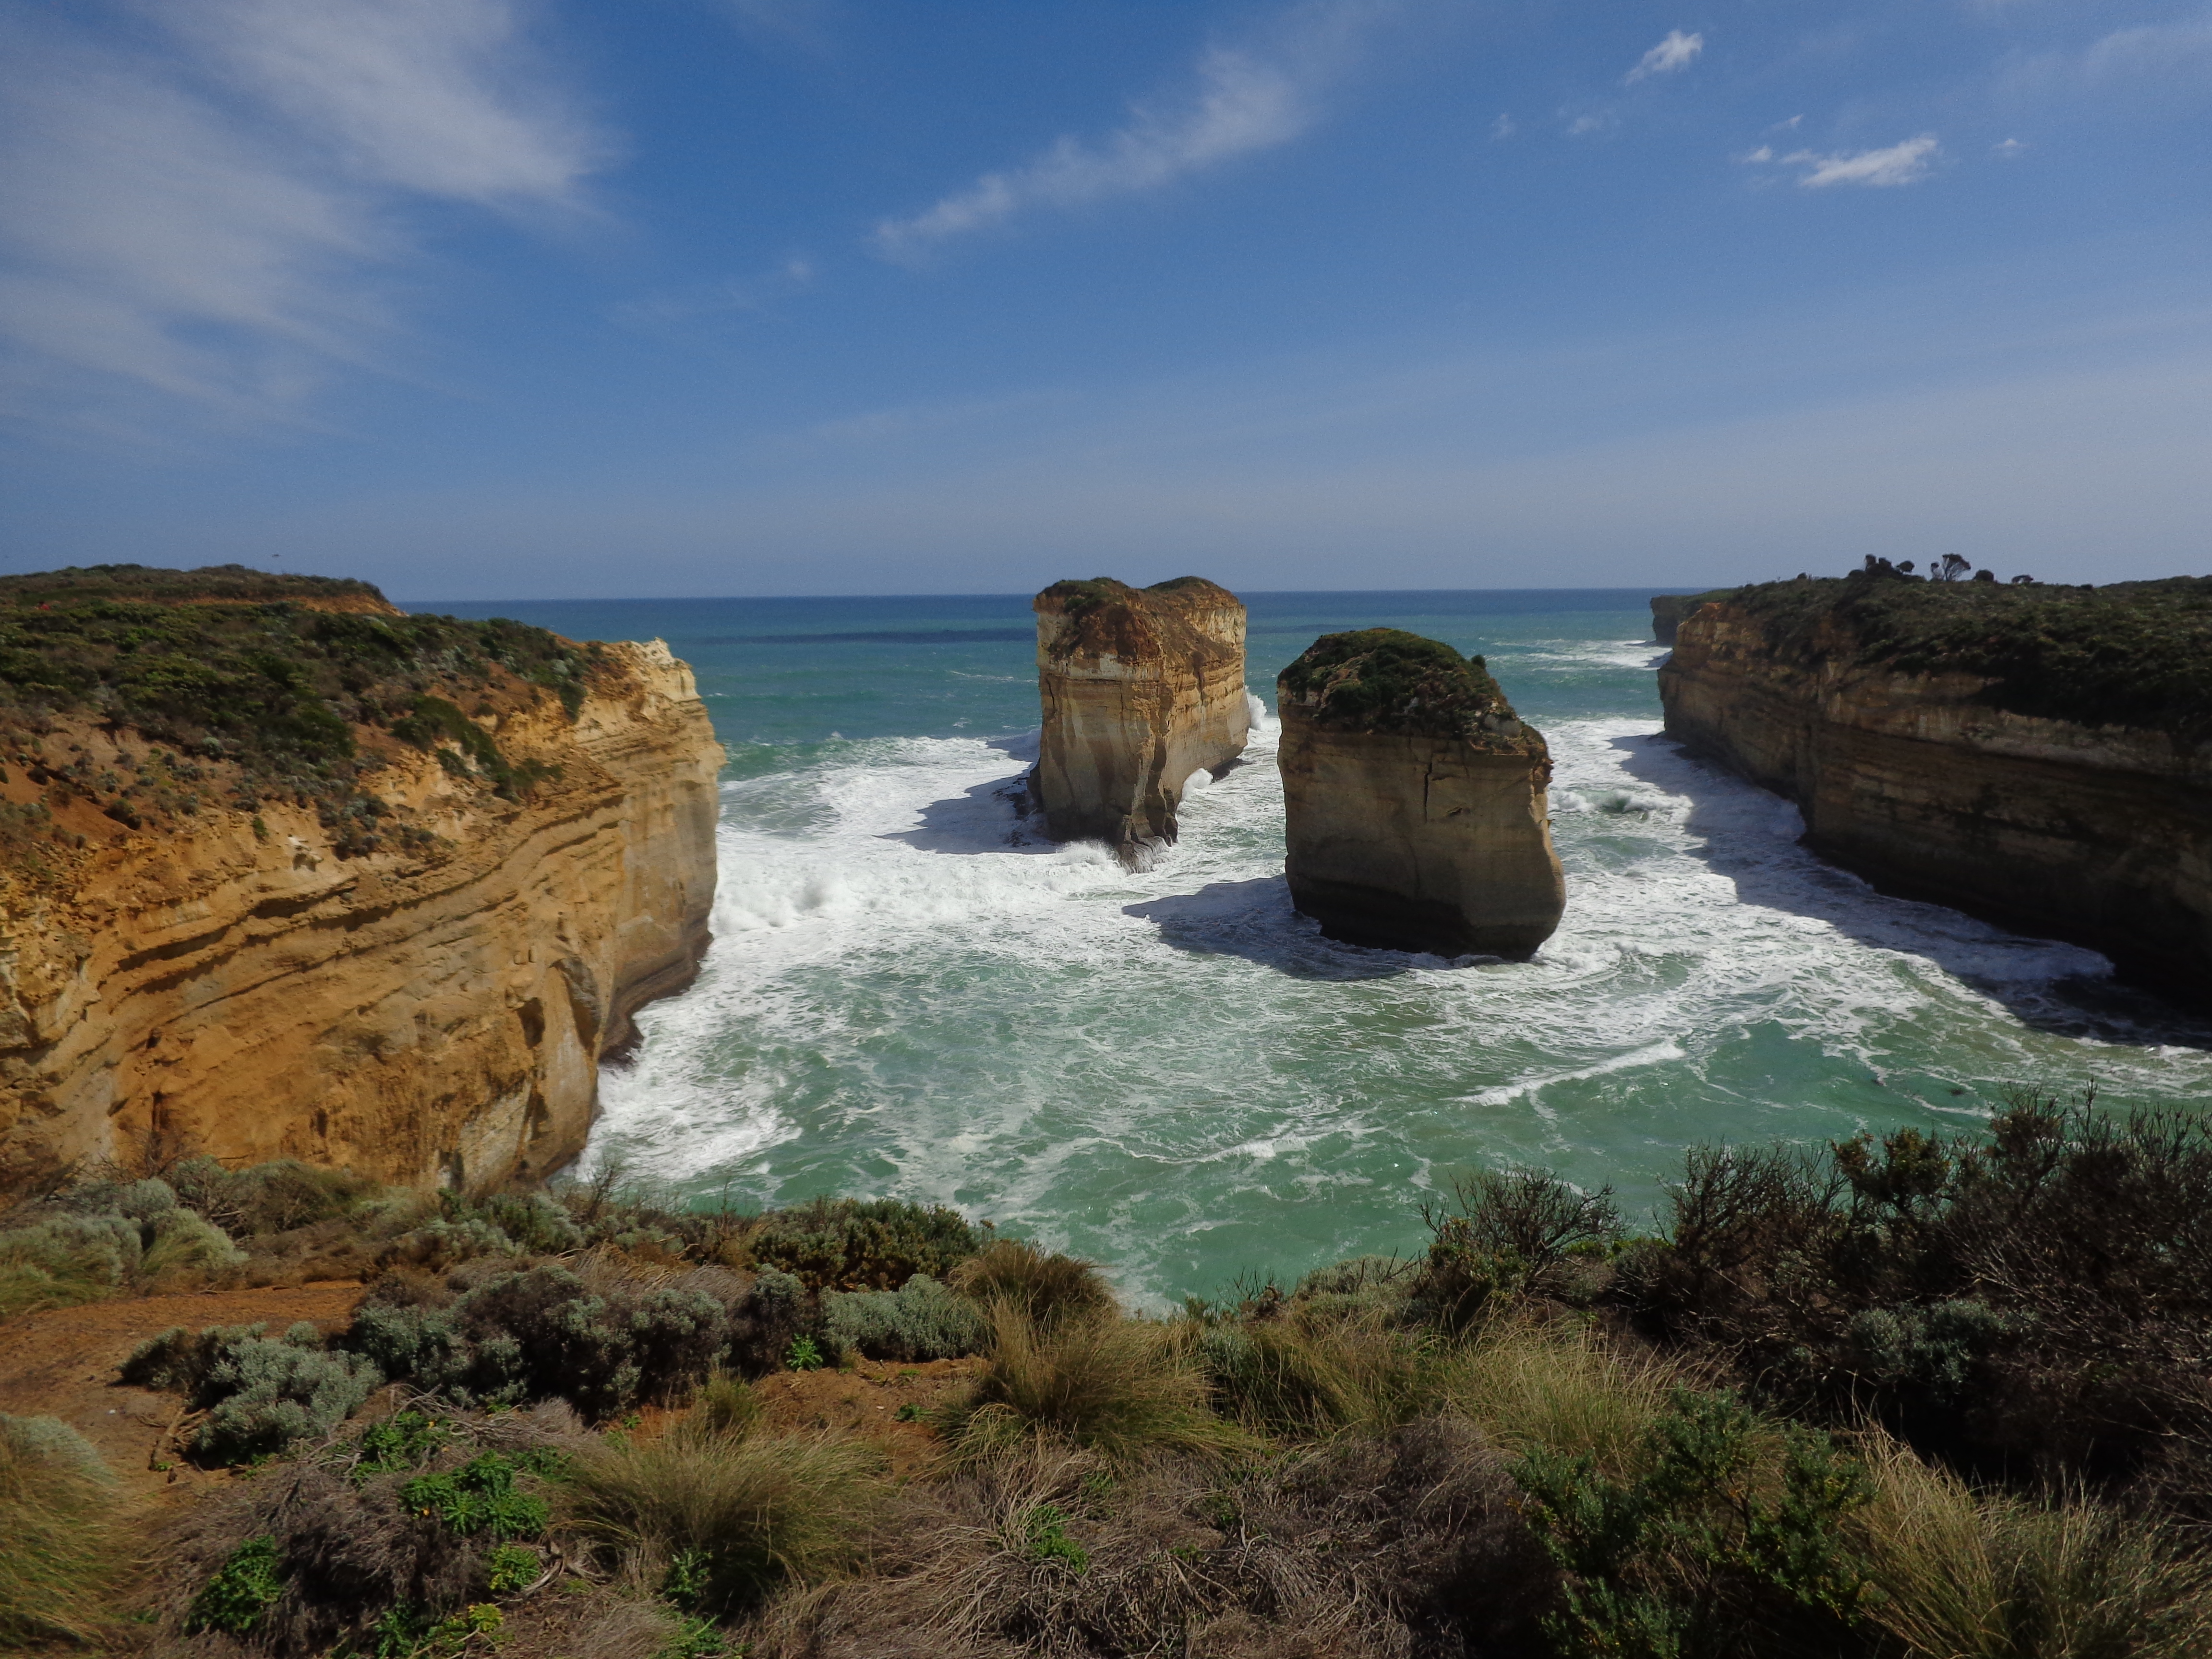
1598, 121
1248, 98
1503, 127
1904, 163
2010, 149
424, 94
161, 239
1673, 54
2155, 50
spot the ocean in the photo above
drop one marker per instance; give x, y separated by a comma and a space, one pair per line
912, 994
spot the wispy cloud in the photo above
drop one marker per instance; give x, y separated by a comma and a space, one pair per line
435, 96
216, 225
1246, 98
1904, 163
1673, 54
1503, 127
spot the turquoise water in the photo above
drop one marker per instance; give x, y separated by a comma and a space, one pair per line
911, 993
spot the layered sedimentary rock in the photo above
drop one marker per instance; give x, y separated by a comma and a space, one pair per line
2037, 755
1141, 688
1668, 611
415, 974
1415, 800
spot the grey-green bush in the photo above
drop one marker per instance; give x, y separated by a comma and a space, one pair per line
922, 1320
261, 1396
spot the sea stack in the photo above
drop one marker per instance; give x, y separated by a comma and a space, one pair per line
1141, 687
1415, 800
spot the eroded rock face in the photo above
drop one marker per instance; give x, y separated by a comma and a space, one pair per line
1141, 688
1415, 800
435, 1012
1909, 768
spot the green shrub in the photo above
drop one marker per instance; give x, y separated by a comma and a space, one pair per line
243, 1589
2039, 1300
1502, 1234
262, 1198
479, 1497
920, 1320
511, 1567
745, 1513
59, 1553
540, 1334
850, 1244
1731, 1531
1044, 1538
803, 1355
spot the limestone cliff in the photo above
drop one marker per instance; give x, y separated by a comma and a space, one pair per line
1415, 800
1669, 610
399, 935
2035, 754
1141, 688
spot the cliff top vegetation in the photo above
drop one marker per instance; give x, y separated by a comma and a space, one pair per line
1921, 1398
250, 690
209, 584
2129, 653
1112, 618
1385, 679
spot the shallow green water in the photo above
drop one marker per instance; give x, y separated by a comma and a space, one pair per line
911, 993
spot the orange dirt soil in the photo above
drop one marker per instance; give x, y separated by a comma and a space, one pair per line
62, 1362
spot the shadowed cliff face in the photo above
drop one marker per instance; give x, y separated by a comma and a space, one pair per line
1141, 687
432, 1008
1927, 752
1415, 801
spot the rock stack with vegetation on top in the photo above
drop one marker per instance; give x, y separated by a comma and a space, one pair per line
1141, 688
1415, 800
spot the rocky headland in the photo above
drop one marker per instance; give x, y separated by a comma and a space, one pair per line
2037, 755
1415, 800
289, 873
1669, 610
1141, 688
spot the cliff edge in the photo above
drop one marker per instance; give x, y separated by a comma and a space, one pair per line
289, 873
2037, 755
1416, 802
1140, 687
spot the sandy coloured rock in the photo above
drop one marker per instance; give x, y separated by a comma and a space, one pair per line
2034, 756
434, 1009
1141, 688
1415, 800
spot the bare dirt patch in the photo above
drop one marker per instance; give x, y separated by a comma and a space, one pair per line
885, 1401
62, 1362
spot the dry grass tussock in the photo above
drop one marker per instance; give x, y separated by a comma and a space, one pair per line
720, 1514
62, 1554
1561, 1386
1370, 1547
1303, 1373
1124, 1388
1984, 1575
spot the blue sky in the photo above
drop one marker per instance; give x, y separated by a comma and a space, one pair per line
574, 298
